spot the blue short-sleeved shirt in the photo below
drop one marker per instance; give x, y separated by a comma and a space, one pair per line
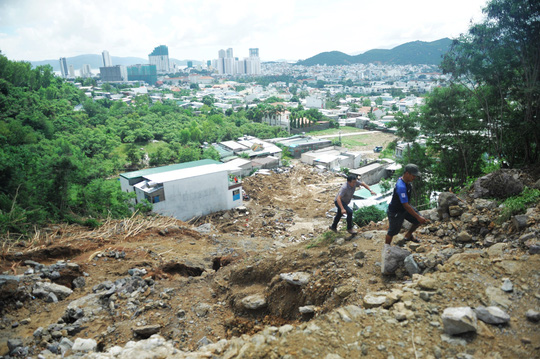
402, 192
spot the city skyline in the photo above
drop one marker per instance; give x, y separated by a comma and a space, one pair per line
31, 30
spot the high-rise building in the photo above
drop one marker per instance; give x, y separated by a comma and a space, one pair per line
253, 63
254, 52
227, 64
113, 73
71, 71
63, 67
146, 73
160, 58
106, 59
86, 71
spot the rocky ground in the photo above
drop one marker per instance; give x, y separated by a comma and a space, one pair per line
270, 281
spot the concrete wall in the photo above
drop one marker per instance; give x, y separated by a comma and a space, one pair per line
196, 196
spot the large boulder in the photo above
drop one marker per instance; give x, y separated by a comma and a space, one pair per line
444, 202
498, 184
392, 257
459, 320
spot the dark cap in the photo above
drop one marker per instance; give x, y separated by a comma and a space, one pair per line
412, 169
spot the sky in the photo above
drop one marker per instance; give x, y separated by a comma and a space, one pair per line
34, 30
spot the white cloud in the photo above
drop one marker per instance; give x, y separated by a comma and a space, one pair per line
291, 29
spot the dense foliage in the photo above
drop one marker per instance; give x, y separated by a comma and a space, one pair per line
57, 163
489, 115
365, 215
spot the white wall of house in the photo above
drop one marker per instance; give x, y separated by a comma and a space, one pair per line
194, 192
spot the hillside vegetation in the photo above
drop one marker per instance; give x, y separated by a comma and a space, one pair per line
411, 53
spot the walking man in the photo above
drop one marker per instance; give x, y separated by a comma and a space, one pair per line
400, 209
342, 200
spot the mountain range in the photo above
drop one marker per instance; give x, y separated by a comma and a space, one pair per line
415, 53
96, 61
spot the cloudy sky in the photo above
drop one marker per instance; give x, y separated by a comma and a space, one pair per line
33, 30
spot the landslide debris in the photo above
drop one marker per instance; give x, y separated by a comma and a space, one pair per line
270, 281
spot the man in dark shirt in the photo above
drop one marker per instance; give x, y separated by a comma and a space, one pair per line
342, 200
399, 208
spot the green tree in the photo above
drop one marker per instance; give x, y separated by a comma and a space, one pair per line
498, 62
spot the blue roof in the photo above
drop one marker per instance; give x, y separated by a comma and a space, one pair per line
178, 166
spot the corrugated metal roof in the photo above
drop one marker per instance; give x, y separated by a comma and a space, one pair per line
178, 166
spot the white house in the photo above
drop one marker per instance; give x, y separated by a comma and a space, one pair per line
187, 192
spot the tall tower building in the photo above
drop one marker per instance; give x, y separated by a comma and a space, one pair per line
253, 63
63, 67
221, 62
229, 63
160, 58
254, 52
71, 71
106, 59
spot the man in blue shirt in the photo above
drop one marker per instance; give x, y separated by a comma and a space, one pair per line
342, 200
399, 208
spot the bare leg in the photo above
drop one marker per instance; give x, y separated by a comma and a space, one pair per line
388, 239
411, 231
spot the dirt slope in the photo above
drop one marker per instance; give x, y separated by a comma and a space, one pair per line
196, 277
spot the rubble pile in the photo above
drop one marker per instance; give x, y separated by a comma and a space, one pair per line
215, 289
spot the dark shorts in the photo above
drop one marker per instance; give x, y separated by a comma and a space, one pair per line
395, 221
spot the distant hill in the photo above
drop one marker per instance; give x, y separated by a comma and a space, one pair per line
416, 52
95, 61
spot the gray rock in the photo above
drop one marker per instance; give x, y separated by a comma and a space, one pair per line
464, 237
254, 302
507, 285
411, 266
455, 211
307, 309
146, 331
9, 285
457, 320
481, 204
533, 315
496, 250
42, 289
14, 343
498, 184
497, 297
372, 300
79, 282
344, 291
84, 345
492, 315
65, 345
296, 278
51, 298
392, 258
445, 200
520, 221
201, 309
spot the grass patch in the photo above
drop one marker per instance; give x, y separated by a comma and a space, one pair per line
350, 141
323, 240
519, 204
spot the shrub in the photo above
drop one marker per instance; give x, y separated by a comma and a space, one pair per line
519, 204
363, 216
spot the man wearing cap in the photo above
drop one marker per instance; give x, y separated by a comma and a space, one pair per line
399, 208
342, 200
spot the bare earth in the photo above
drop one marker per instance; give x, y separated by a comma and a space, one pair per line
199, 280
